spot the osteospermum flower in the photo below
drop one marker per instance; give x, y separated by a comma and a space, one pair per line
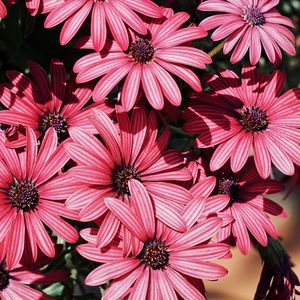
249, 25
133, 165
248, 205
41, 104
148, 61
28, 189
166, 263
119, 15
15, 282
244, 114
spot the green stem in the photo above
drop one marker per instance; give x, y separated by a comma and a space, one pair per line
216, 50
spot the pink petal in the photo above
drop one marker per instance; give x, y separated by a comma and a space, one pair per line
15, 240
131, 87
59, 226
126, 216
169, 216
111, 271
143, 206
120, 286
185, 289
152, 88
116, 26
140, 288
197, 234
168, 85
109, 81
98, 26
200, 269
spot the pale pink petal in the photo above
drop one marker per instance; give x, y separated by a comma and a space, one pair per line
143, 206
111, 271
126, 216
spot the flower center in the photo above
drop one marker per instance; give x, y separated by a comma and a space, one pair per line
141, 51
23, 195
228, 186
154, 254
56, 121
4, 277
121, 176
254, 119
253, 16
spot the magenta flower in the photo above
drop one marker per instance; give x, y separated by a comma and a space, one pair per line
165, 262
148, 61
119, 15
31, 196
41, 104
247, 113
247, 204
132, 164
249, 25
15, 282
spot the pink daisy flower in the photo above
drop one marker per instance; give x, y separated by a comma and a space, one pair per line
244, 114
247, 204
41, 104
15, 281
31, 196
249, 25
119, 15
148, 61
132, 164
167, 264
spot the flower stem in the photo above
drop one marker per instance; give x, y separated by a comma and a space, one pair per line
217, 49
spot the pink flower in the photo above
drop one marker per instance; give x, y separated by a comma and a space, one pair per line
165, 264
148, 61
3, 10
31, 196
247, 113
249, 25
14, 282
119, 15
247, 205
132, 164
41, 104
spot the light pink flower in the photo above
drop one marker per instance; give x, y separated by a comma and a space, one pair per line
248, 113
165, 264
114, 16
31, 195
41, 103
148, 62
249, 25
132, 164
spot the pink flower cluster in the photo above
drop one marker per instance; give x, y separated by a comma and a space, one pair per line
94, 146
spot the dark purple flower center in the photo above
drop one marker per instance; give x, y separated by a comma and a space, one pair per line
228, 186
253, 16
4, 277
154, 254
58, 122
141, 51
23, 195
121, 176
254, 119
